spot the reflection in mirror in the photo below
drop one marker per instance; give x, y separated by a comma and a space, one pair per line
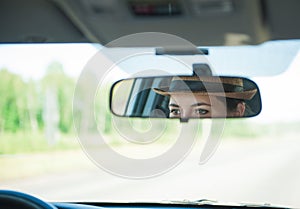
186, 97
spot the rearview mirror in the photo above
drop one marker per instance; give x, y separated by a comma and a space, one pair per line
185, 97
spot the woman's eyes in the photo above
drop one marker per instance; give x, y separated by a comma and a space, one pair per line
200, 111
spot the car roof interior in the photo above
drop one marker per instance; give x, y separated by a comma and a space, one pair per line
203, 22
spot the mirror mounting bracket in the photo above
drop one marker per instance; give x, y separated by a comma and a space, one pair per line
184, 120
201, 69
181, 51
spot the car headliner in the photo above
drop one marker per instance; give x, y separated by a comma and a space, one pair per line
214, 22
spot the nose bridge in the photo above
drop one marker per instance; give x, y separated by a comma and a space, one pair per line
186, 108
186, 112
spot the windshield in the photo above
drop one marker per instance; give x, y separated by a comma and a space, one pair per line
257, 160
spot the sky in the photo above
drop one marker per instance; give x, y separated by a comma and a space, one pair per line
31, 61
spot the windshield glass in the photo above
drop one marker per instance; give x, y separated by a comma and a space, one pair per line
255, 162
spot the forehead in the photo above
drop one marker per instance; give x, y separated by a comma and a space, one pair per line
190, 98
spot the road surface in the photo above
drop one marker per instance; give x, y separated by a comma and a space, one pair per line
258, 171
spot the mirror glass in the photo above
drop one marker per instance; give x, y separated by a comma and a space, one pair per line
185, 97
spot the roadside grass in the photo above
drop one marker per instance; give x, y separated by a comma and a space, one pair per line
24, 155
242, 129
22, 166
34, 142
160, 132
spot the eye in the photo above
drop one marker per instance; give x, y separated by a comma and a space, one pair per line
200, 111
175, 111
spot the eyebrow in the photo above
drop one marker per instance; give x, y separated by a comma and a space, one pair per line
173, 105
193, 105
199, 104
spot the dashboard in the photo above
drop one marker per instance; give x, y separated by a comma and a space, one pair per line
148, 206
14, 199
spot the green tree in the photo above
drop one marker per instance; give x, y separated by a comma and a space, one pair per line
63, 86
13, 108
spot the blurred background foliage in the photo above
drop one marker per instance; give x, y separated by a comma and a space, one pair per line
36, 116
22, 103
36, 113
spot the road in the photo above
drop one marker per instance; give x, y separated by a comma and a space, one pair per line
258, 171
